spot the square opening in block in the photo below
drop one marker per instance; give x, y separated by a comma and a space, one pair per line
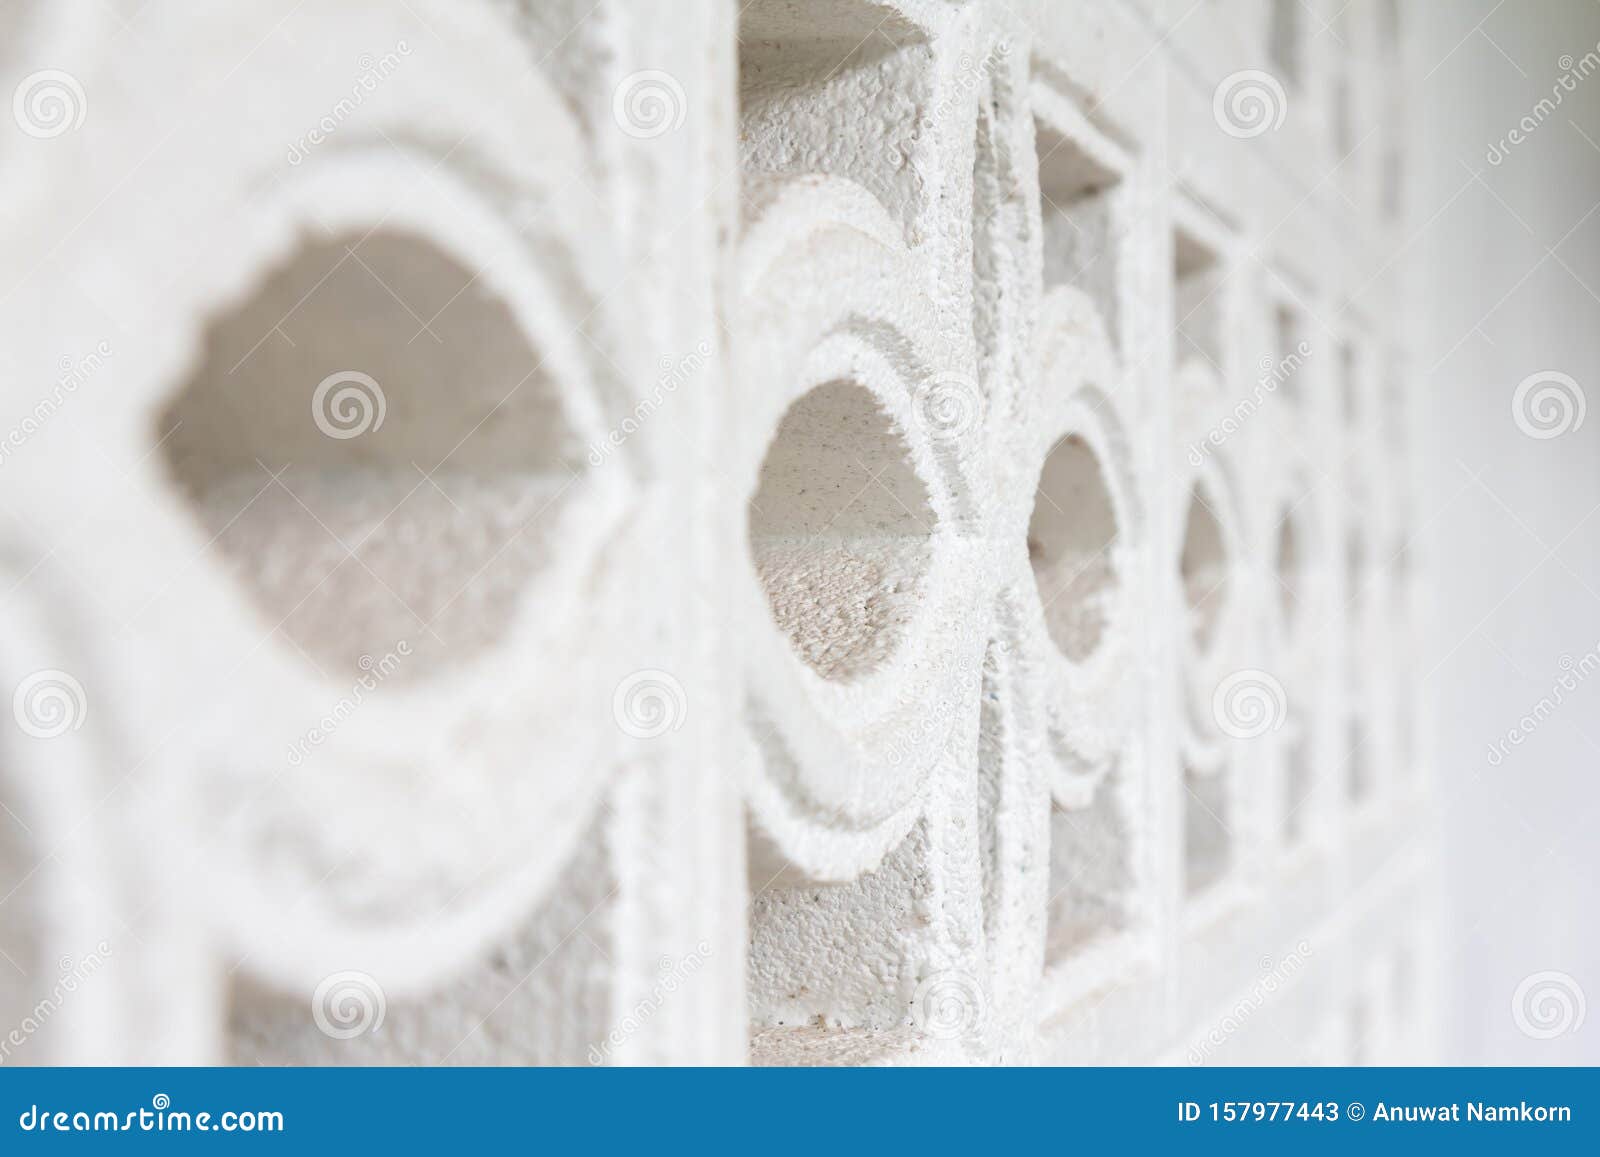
1197, 307
1081, 221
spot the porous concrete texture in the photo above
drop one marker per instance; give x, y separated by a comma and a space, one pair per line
801, 533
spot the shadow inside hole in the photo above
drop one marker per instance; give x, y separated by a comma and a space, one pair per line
1207, 850
1072, 538
372, 444
1203, 566
840, 528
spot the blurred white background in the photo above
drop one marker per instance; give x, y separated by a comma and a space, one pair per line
1508, 262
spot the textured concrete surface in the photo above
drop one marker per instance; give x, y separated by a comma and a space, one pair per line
820, 533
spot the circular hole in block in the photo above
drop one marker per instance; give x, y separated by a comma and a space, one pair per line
1071, 537
1204, 566
1290, 563
840, 529
370, 441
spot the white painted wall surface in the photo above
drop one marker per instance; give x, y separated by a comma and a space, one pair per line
1509, 268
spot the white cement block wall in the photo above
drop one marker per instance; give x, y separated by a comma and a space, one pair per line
826, 533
